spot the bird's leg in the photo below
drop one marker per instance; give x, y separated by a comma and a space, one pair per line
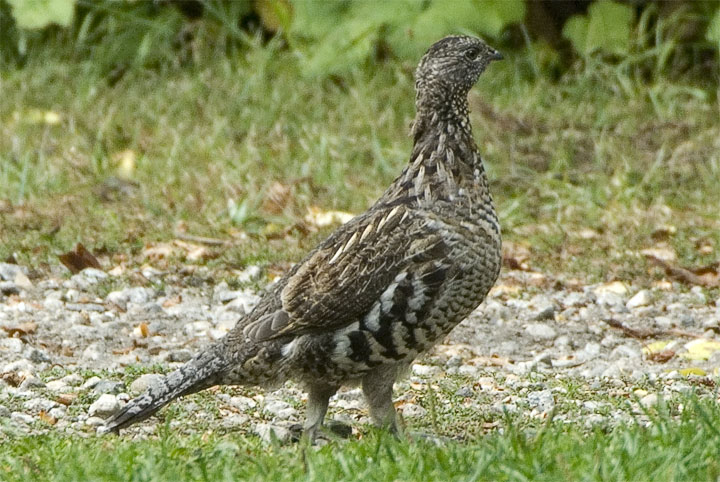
377, 387
317, 405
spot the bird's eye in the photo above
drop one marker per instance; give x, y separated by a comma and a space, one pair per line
472, 53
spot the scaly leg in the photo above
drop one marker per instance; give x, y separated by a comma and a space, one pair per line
317, 404
377, 387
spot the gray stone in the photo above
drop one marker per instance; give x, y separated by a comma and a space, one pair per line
610, 299
242, 403
91, 382
21, 417
425, 370
464, 391
664, 322
95, 422
37, 356
39, 405
8, 271
641, 298
31, 383
649, 400
4, 412
104, 406
137, 295
269, 433
82, 307
540, 331
109, 386
12, 345
279, 409
542, 400
411, 410
142, 383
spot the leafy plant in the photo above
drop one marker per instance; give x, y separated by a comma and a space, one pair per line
37, 14
606, 27
335, 36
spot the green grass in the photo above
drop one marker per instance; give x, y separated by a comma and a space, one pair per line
599, 152
668, 448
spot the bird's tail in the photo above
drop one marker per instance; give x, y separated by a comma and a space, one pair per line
200, 373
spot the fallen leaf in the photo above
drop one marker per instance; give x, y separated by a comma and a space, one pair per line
172, 301
515, 256
661, 356
144, 330
700, 349
662, 252
79, 259
276, 198
125, 161
66, 398
655, 347
23, 329
47, 418
692, 371
320, 218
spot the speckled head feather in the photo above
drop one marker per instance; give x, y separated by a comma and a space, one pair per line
447, 72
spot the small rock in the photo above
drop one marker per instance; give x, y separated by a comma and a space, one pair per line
235, 420
242, 403
540, 331
104, 406
410, 410
91, 382
641, 298
269, 433
95, 421
610, 299
37, 356
137, 295
72, 380
30, 383
39, 405
664, 322
109, 386
143, 382
21, 417
4, 412
544, 309
575, 299
9, 271
12, 345
542, 400
94, 351
279, 409
425, 370
464, 391
649, 400
58, 412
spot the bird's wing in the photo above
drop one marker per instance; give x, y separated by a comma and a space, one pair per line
341, 280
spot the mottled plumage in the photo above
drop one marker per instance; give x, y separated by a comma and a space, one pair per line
383, 287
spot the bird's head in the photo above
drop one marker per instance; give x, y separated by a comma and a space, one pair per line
450, 68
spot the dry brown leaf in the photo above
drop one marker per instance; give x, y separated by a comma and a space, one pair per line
66, 398
79, 259
320, 218
23, 329
172, 301
47, 418
661, 356
12, 378
144, 330
276, 198
515, 256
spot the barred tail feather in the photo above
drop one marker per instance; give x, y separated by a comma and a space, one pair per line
198, 374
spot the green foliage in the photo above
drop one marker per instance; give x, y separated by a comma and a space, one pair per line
340, 35
606, 27
713, 31
36, 14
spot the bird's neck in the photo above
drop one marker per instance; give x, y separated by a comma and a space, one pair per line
445, 164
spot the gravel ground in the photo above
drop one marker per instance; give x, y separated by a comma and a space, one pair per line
70, 357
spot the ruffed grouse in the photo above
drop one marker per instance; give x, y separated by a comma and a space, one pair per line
383, 287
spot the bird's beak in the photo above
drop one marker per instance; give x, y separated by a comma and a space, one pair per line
496, 55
